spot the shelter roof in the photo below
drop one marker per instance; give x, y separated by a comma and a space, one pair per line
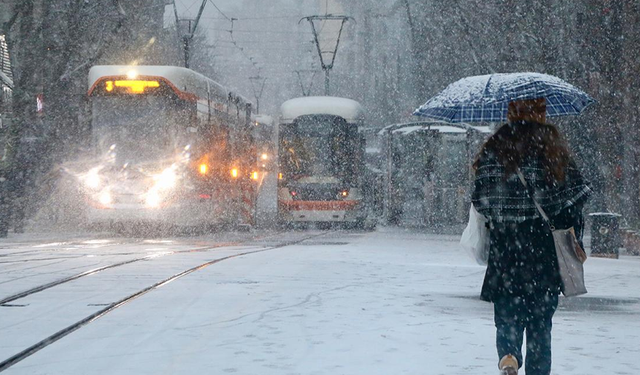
422, 126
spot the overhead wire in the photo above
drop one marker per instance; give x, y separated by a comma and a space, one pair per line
236, 43
219, 11
233, 41
257, 18
188, 8
262, 31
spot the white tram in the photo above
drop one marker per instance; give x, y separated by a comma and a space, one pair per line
169, 145
321, 165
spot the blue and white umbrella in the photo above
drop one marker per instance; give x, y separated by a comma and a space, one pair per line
486, 98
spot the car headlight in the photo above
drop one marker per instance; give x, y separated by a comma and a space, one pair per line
167, 179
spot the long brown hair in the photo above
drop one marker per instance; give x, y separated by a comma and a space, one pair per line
521, 140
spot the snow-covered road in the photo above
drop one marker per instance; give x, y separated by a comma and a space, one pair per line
384, 302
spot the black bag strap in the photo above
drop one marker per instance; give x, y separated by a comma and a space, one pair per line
535, 202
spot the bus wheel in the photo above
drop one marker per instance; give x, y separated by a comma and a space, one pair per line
323, 225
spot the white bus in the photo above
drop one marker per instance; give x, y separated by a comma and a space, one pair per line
321, 161
169, 145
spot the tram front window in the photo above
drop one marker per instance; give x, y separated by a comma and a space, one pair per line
143, 128
319, 148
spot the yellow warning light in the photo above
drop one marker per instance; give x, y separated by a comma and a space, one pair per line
137, 87
108, 85
254, 175
203, 169
279, 176
234, 173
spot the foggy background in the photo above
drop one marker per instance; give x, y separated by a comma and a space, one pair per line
393, 56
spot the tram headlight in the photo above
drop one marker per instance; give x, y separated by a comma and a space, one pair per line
264, 156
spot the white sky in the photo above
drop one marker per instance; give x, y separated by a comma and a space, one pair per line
269, 43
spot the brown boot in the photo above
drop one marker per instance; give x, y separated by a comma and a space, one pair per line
508, 365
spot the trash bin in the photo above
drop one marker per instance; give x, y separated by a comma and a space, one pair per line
605, 236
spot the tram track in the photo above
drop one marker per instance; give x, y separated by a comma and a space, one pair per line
18, 357
94, 271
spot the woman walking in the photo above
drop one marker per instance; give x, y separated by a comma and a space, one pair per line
522, 278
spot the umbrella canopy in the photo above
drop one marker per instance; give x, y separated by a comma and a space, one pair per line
486, 98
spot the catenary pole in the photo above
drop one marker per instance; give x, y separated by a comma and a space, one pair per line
326, 65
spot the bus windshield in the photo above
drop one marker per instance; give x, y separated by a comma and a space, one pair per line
143, 128
321, 148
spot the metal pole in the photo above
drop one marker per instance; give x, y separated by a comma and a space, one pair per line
186, 51
326, 66
190, 31
326, 82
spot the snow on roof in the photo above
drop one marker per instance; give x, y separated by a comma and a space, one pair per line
184, 79
422, 126
348, 109
263, 119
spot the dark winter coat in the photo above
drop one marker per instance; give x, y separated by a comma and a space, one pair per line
522, 259
507, 200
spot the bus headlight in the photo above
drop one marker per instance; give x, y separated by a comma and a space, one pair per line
153, 199
167, 179
105, 198
92, 179
203, 169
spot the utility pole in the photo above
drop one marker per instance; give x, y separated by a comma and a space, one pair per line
331, 58
257, 93
187, 37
